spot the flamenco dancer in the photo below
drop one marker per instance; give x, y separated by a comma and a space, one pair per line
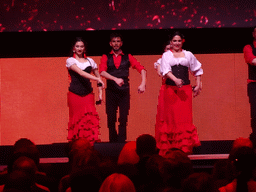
115, 68
174, 123
83, 117
250, 59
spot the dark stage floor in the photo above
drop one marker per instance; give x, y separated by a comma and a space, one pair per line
202, 157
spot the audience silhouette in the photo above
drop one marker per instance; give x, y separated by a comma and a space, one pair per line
139, 167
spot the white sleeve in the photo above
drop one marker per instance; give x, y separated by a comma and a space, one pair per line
92, 63
70, 61
165, 66
195, 65
158, 62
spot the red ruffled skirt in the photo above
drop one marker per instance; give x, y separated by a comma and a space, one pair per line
174, 123
83, 118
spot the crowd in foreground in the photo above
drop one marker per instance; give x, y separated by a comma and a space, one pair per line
139, 167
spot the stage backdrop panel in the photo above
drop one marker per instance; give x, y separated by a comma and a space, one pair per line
34, 99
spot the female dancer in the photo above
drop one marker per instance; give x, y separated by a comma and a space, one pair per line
174, 123
83, 118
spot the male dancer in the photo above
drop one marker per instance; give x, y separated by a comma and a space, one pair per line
115, 68
250, 59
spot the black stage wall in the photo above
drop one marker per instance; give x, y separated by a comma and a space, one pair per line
136, 42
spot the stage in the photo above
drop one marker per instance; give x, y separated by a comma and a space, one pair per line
34, 85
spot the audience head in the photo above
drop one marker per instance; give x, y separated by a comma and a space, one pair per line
199, 182
82, 154
222, 170
24, 147
180, 159
154, 169
25, 164
78, 144
117, 183
128, 154
22, 176
146, 145
22, 143
243, 160
19, 181
242, 142
86, 179
177, 167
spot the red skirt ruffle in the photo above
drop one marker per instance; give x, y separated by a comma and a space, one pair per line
174, 122
83, 118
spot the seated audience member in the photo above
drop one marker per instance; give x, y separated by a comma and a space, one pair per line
242, 142
117, 183
130, 171
199, 182
222, 172
107, 166
23, 176
127, 160
30, 151
18, 181
153, 178
243, 162
81, 154
25, 147
145, 148
22, 143
176, 169
128, 154
146, 145
86, 179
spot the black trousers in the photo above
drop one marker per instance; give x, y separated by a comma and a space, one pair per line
117, 99
251, 88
